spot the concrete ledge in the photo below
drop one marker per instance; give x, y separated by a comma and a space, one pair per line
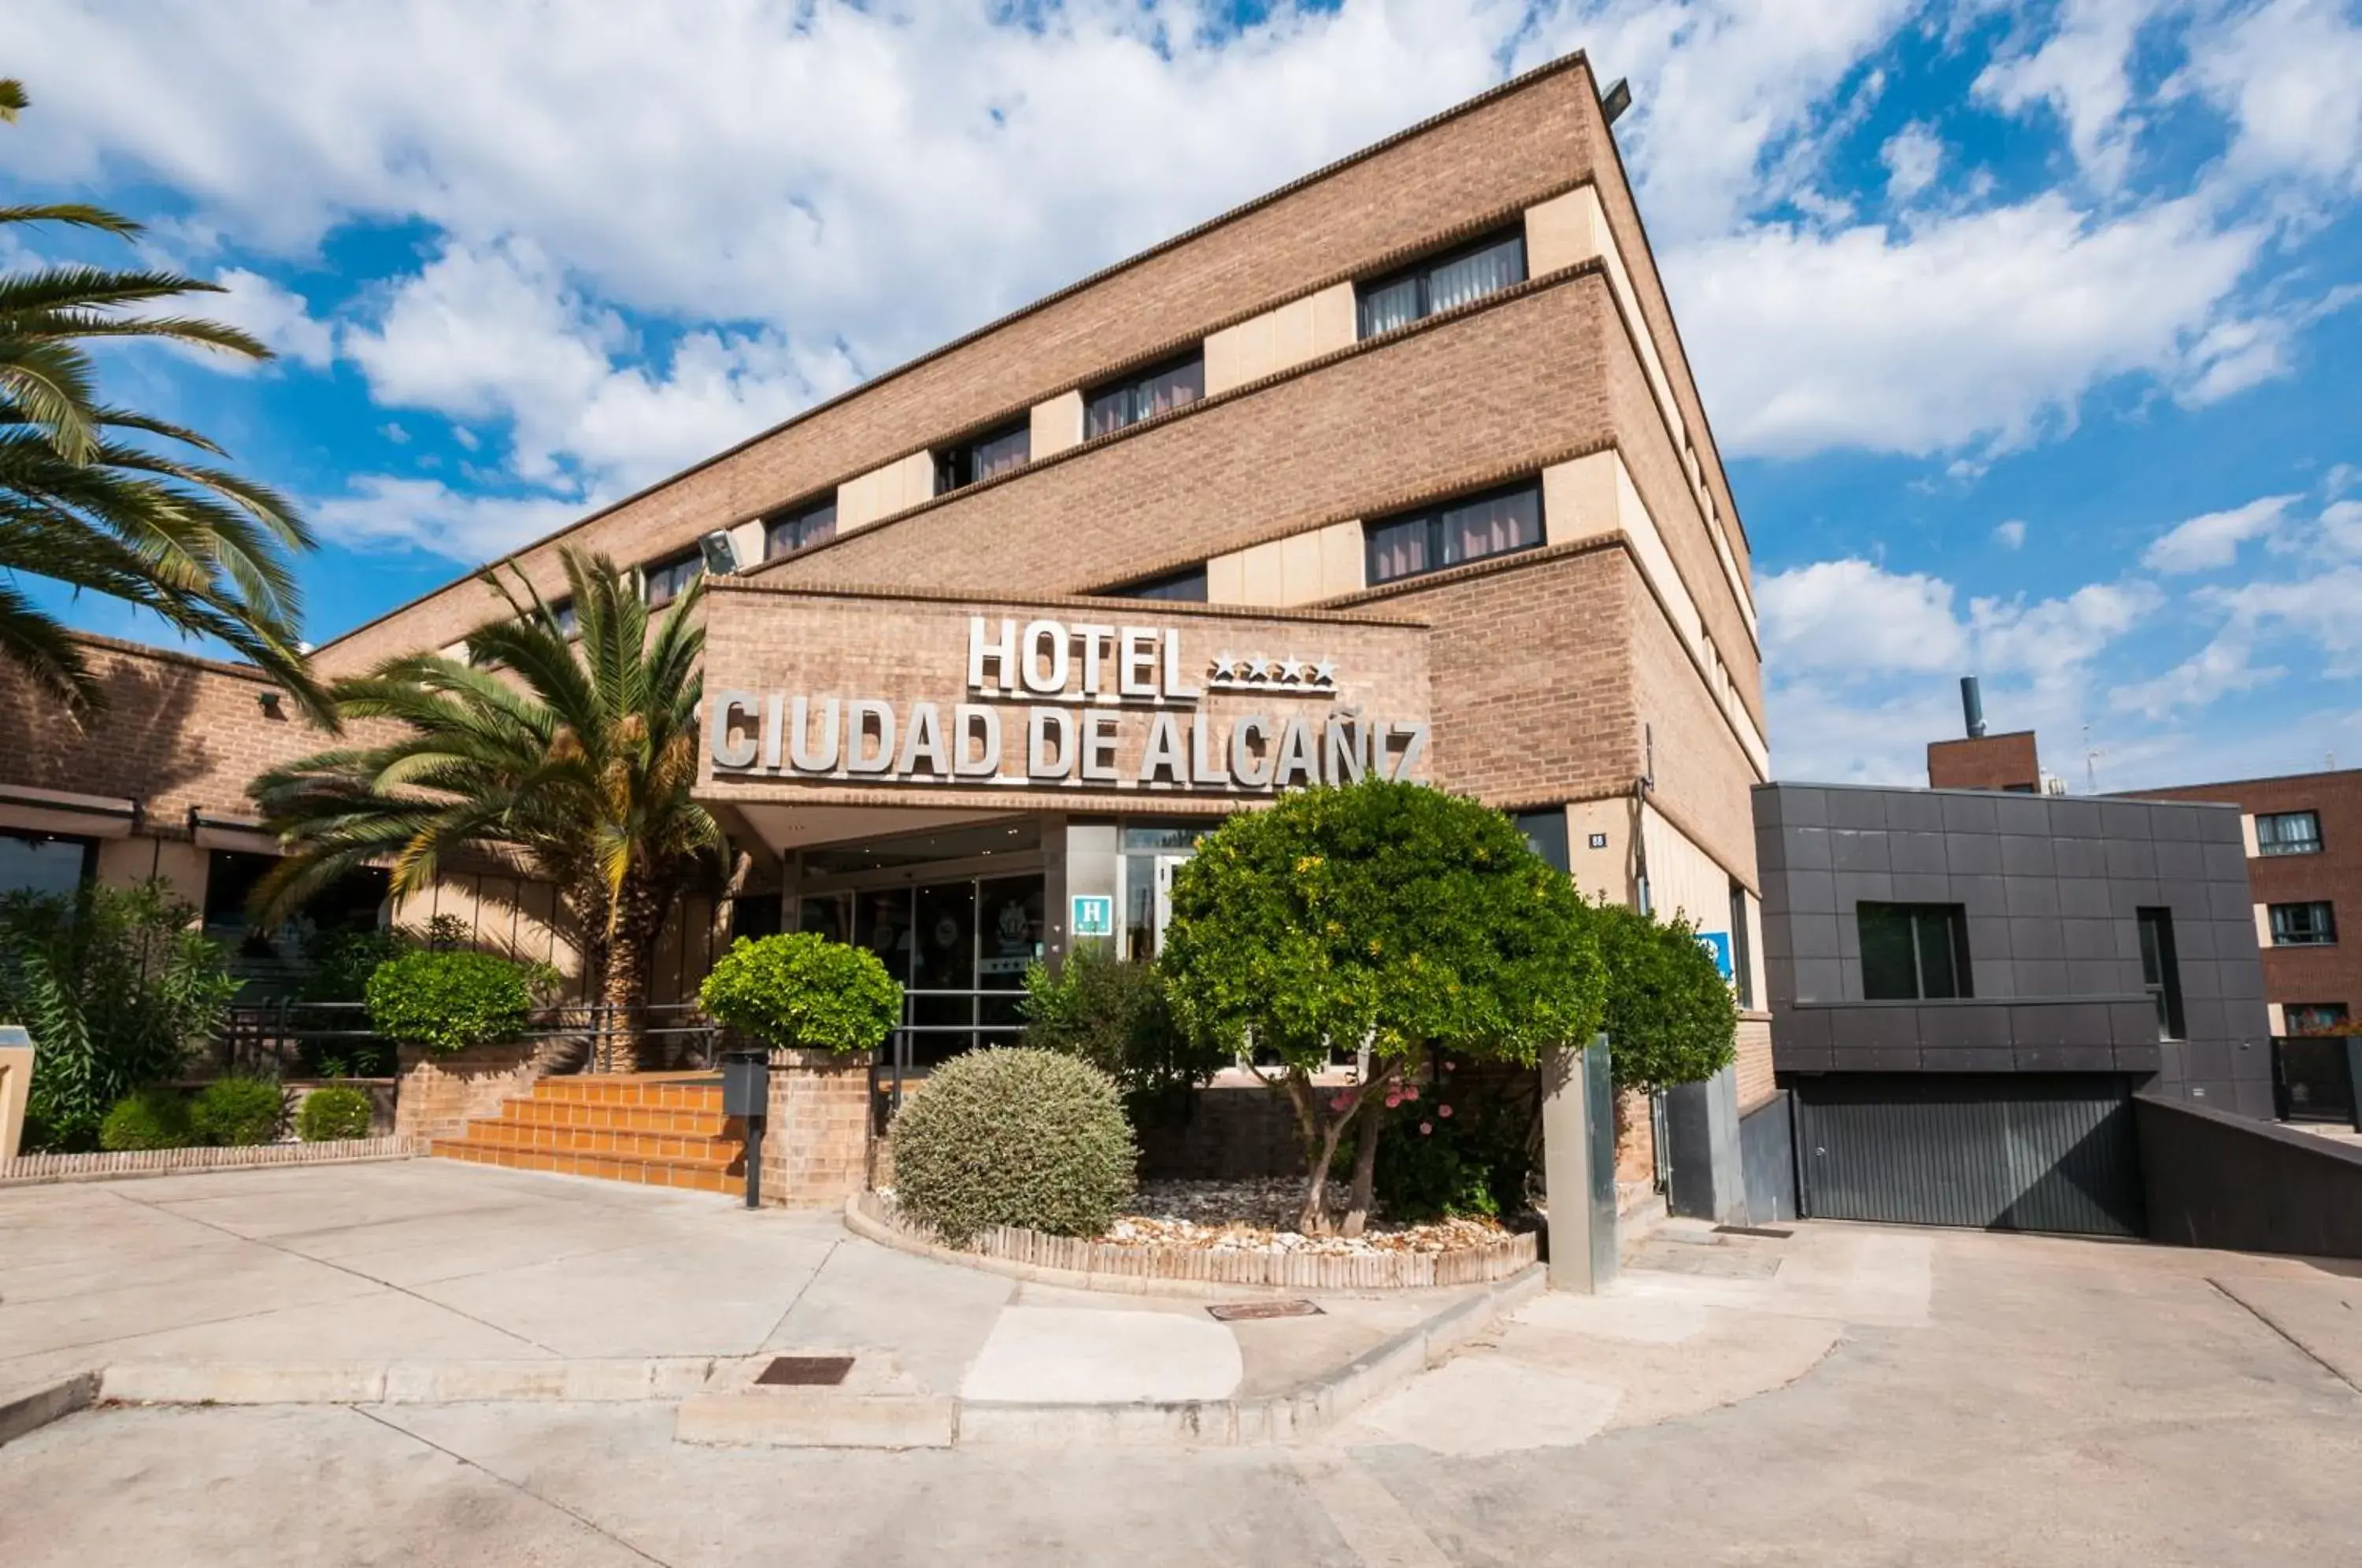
863, 1217
29, 1410
33, 1170
404, 1383
818, 1418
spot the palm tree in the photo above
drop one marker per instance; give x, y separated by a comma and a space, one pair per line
571, 756
96, 497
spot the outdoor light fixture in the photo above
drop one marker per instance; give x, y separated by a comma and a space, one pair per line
1617, 99
269, 702
721, 552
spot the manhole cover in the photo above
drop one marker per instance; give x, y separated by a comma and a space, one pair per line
807, 1371
1248, 1311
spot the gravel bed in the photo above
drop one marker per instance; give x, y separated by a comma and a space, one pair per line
1260, 1215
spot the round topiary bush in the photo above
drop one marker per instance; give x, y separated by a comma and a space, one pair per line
1013, 1137
333, 1113
449, 1001
236, 1112
803, 992
151, 1119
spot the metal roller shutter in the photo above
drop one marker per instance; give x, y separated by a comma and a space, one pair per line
2016, 1152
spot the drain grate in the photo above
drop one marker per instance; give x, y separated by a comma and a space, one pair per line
806, 1371
1773, 1231
1249, 1311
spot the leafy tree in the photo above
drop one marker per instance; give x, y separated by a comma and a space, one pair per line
568, 751
1670, 1018
1378, 915
116, 987
105, 499
801, 992
1116, 1015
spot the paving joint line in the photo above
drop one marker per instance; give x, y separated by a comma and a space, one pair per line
518, 1486
797, 1299
353, 1273
2264, 1318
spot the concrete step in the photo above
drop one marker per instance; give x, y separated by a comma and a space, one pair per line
676, 1122
625, 1142
700, 1176
666, 1091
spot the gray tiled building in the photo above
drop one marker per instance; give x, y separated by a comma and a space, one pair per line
2034, 934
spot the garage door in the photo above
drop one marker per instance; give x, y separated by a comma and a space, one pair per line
2020, 1153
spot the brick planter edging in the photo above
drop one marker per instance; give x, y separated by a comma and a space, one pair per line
1193, 1271
28, 1170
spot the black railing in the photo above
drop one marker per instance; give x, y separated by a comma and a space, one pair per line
2314, 1078
292, 1039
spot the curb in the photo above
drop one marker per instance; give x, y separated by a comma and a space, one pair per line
34, 1408
10, 1177
402, 1383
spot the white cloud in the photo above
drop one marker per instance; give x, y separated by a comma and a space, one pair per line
2224, 666
1979, 326
384, 509
2286, 72
2081, 71
2010, 535
279, 317
1914, 156
1850, 616
2205, 542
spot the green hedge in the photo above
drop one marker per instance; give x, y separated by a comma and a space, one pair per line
155, 1117
449, 1002
802, 991
1014, 1136
238, 1113
332, 1114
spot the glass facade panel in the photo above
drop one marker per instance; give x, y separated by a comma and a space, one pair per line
2161, 970
2303, 925
983, 457
1158, 391
1545, 833
666, 579
1913, 952
2288, 832
1443, 283
1493, 524
791, 531
43, 863
1388, 305
1182, 587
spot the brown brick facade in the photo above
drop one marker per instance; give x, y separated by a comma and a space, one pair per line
1985, 762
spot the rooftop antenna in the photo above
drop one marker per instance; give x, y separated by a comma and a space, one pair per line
2090, 762
1615, 100
1972, 707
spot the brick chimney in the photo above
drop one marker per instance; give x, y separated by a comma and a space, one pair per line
1984, 761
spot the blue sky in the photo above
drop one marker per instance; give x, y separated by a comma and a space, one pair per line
2033, 335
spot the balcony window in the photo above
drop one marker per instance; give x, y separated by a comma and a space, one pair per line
1184, 587
1913, 951
2303, 925
667, 580
2314, 1016
2161, 971
2288, 832
1491, 524
1155, 391
995, 452
785, 533
1441, 283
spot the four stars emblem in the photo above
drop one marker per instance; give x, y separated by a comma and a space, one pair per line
1260, 669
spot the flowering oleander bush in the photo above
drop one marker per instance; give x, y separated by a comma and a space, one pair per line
1014, 1136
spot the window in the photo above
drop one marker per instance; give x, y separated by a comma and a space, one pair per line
791, 530
1742, 954
2314, 1016
1913, 951
1155, 391
1441, 283
995, 452
2160, 971
667, 580
1469, 530
569, 619
1545, 833
2288, 832
46, 863
1189, 587
2303, 925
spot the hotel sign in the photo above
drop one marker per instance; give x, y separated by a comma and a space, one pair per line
1050, 704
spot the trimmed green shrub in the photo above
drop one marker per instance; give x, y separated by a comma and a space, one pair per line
448, 1001
333, 1113
801, 992
236, 1112
1670, 1017
1013, 1136
156, 1117
1115, 1016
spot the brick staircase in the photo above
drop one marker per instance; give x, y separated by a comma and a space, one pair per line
659, 1129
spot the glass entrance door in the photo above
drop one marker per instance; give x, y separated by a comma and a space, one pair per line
960, 949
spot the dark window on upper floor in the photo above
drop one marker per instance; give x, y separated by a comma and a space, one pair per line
568, 618
1913, 951
2288, 832
1440, 283
2303, 925
1545, 833
1189, 587
1491, 524
2313, 1017
667, 579
788, 531
996, 451
2161, 971
1145, 396
46, 863
1742, 948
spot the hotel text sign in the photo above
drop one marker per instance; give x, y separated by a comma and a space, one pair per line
1080, 707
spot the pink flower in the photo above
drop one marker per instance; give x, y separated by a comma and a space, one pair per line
1425, 1127
1447, 1067
1340, 1102
1412, 1093
1444, 1110
1393, 1100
